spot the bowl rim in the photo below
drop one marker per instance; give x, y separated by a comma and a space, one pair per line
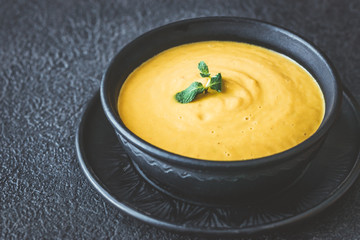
180, 160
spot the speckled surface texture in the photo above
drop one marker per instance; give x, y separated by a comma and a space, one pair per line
53, 54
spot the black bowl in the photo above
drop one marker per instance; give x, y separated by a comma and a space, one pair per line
218, 181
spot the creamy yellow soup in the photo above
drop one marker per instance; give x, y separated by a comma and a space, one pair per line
268, 103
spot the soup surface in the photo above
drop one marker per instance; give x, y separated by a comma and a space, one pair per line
268, 103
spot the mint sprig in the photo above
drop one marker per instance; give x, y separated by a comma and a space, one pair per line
196, 88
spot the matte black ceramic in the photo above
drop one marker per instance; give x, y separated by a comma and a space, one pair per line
333, 170
218, 181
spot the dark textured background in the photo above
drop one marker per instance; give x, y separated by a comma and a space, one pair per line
52, 57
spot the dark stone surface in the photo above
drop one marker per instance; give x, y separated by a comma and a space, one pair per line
52, 56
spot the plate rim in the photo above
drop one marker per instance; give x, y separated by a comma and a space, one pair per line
335, 195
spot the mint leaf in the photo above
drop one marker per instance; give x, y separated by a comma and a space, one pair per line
195, 88
190, 93
204, 70
215, 82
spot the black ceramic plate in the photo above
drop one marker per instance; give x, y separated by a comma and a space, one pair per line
105, 164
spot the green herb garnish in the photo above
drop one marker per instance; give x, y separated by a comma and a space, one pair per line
215, 82
196, 88
190, 93
204, 70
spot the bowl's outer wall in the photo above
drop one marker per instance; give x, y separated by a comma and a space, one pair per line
221, 186
268, 174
